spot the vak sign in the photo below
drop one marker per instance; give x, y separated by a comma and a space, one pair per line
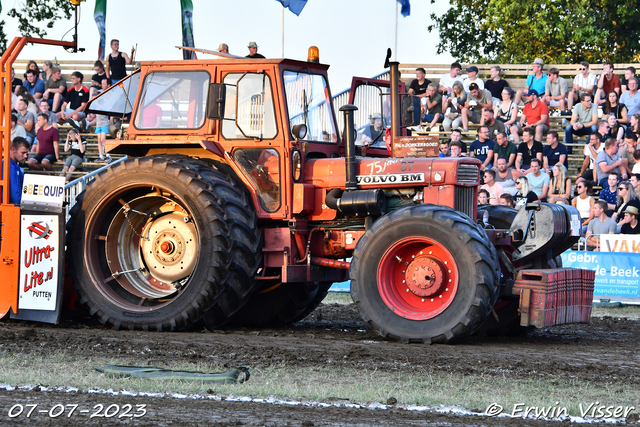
620, 243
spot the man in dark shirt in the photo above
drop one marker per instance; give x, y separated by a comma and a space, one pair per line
75, 100
630, 223
482, 148
418, 88
528, 149
253, 51
495, 84
554, 152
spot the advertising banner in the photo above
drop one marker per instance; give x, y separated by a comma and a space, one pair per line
620, 243
42, 192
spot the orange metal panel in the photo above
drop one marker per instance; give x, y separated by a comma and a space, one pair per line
9, 257
302, 198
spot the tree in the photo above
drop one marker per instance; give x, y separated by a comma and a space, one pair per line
560, 31
33, 12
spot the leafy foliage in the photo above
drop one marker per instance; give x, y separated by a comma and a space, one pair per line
560, 31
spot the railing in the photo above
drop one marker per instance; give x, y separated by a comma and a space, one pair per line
73, 189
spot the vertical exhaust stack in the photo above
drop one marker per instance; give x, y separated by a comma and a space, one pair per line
395, 96
350, 147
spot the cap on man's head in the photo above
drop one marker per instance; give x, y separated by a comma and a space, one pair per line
253, 44
539, 61
631, 210
533, 92
474, 86
223, 46
472, 68
376, 116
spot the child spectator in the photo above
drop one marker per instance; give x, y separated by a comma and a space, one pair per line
77, 145
97, 78
483, 197
102, 128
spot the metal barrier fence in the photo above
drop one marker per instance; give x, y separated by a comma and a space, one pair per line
75, 187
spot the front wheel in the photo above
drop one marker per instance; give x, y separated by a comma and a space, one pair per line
424, 274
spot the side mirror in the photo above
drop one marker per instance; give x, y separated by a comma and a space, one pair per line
217, 96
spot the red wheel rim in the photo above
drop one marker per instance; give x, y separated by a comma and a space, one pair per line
417, 278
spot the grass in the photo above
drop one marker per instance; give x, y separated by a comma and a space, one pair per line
474, 392
625, 312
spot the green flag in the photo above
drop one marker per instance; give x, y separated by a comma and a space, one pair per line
100, 16
187, 28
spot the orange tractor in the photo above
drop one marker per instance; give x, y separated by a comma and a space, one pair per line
242, 201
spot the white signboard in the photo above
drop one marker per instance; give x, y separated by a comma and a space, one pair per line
39, 252
620, 243
43, 192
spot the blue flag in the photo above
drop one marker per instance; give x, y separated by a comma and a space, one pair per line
294, 6
406, 7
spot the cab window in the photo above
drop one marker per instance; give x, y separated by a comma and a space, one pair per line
262, 166
249, 112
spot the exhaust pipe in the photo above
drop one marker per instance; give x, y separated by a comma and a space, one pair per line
350, 147
395, 96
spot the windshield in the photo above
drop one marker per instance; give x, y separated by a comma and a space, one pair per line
118, 99
373, 114
308, 102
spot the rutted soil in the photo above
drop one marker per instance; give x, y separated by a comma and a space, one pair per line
333, 334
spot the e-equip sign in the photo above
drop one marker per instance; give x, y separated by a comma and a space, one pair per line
42, 193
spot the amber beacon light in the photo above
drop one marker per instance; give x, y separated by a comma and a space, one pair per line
314, 54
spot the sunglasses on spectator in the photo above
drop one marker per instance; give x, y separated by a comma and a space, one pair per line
579, 186
581, 69
621, 188
518, 182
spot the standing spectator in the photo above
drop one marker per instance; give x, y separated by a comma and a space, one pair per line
102, 127
626, 151
16, 129
624, 82
447, 81
584, 203
490, 184
223, 48
455, 148
434, 107
75, 102
453, 118
47, 66
555, 91
77, 145
253, 51
507, 176
629, 223
116, 62
612, 106
17, 155
47, 150
560, 189
476, 101
97, 78
591, 151
418, 88
472, 77
535, 116
55, 89
34, 85
528, 150
506, 110
583, 119
583, 83
606, 83
27, 119
554, 152
609, 161
627, 196
505, 149
601, 224
538, 181
631, 98
482, 148
495, 126
495, 84
536, 81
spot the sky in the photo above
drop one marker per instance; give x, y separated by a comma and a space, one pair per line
352, 35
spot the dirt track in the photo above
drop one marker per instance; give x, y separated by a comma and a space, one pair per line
598, 352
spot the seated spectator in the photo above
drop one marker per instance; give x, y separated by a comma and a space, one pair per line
506, 110
97, 78
15, 82
608, 161
16, 129
538, 181
506, 199
583, 83
31, 65
584, 119
613, 106
433, 105
506, 176
47, 66
528, 150
601, 224
554, 152
626, 151
472, 77
490, 122
77, 145
447, 81
535, 116
591, 151
453, 116
626, 196
616, 131
607, 83
635, 181
636, 167
629, 223
524, 194
32, 106
583, 202
495, 84
444, 149
628, 73
560, 189
555, 90
634, 124
26, 119
456, 135
34, 85
490, 184
482, 148
631, 98
536, 81
476, 101
455, 148
75, 102
418, 88
47, 149
55, 89
505, 149
18, 153
483, 197
52, 118
609, 192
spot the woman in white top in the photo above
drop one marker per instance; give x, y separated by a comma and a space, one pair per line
584, 202
560, 189
507, 110
456, 102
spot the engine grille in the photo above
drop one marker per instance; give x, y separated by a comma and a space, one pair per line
463, 200
468, 173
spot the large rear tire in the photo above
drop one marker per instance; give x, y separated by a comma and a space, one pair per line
163, 242
424, 274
